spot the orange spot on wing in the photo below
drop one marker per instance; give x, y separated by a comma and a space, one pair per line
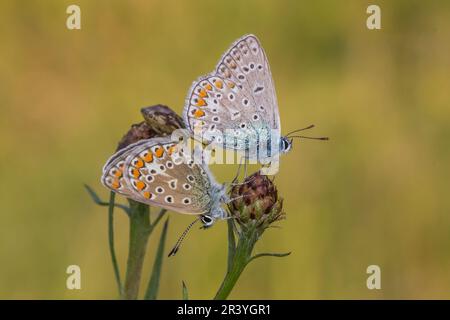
118, 173
148, 157
115, 184
136, 173
201, 102
231, 84
139, 163
171, 150
208, 87
218, 84
140, 185
199, 113
147, 194
202, 93
159, 152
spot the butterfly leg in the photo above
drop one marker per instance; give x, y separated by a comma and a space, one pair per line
233, 182
245, 168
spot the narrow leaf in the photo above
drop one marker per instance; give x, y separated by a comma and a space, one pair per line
98, 201
231, 243
153, 285
279, 255
184, 292
111, 242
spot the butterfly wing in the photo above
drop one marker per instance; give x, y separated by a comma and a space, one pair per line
155, 172
237, 100
113, 171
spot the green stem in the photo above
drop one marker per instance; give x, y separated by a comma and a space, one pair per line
111, 242
140, 230
244, 248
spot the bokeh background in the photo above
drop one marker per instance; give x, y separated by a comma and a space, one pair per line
377, 193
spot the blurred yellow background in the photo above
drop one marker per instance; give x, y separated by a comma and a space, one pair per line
377, 193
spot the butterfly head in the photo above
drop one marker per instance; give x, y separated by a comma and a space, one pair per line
285, 144
207, 221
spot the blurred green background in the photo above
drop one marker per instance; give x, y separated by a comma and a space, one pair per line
377, 193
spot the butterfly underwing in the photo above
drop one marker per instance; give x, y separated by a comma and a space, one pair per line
163, 173
235, 106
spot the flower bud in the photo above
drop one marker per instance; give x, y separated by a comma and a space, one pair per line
256, 202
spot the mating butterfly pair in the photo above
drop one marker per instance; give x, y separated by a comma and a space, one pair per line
237, 100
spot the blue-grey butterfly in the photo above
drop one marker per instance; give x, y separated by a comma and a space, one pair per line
235, 106
163, 173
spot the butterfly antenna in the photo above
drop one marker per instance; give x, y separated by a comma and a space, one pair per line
302, 129
313, 138
181, 238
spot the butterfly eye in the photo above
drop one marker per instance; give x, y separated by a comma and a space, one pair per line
169, 164
255, 117
149, 178
286, 145
186, 200
169, 199
190, 178
206, 220
260, 67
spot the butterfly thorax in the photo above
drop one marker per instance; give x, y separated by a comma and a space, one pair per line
217, 196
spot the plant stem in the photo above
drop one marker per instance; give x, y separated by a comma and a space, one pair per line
140, 230
244, 248
111, 242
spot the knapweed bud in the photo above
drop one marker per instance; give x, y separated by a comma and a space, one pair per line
256, 202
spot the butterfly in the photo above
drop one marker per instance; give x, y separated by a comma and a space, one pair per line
160, 172
236, 106
237, 101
